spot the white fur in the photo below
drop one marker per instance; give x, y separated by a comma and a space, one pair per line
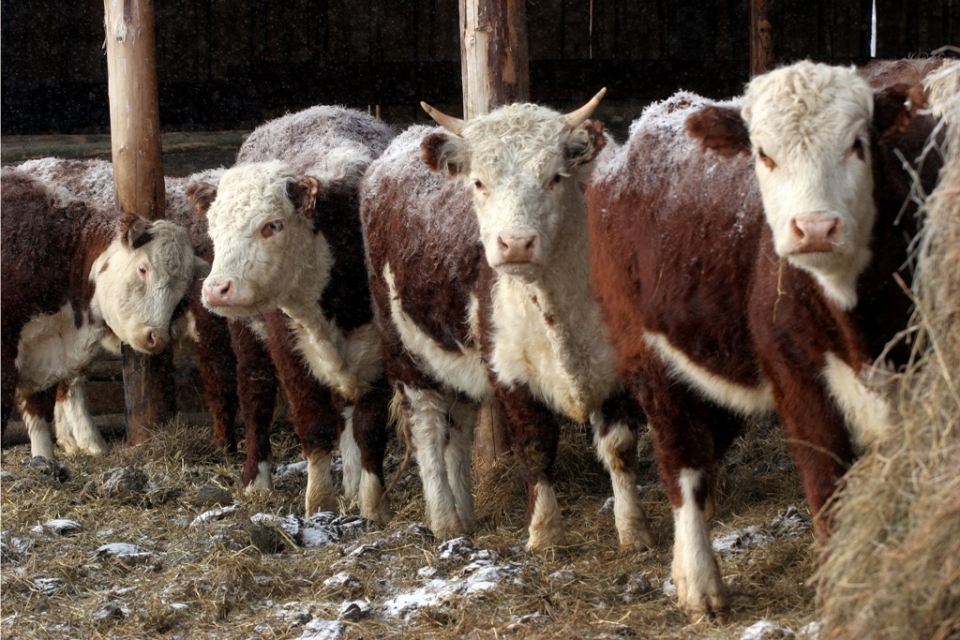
53, 348
457, 456
546, 525
263, 481
41, 444
744, 400
76, 432
463, 371
699, 587
372, 503
630, 518
427, 419
867, 412
320, 494
806, 118
350, 457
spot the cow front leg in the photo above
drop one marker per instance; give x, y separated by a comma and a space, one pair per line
217, 364
37, 411
534, 436
369, 431
458, 457
426, 418
256, 381
684, 441
74, 424
615, 436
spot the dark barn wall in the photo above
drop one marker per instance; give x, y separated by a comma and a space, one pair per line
228, 64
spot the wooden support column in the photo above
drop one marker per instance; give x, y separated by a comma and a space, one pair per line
495, 68
765, 49
138, 177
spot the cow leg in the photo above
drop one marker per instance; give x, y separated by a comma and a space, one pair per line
426, 418
315, 416
683, 425
75, 429
370, 436
8, 382
217, 364
350, 456
257, 389
458, 457
615, 436
534, 436
37, 411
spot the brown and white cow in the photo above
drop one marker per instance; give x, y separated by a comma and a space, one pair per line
735, 282
482, 292
73, 276
289, 261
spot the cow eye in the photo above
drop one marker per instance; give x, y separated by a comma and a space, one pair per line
858, 148
557, 178
478, 184
271, 228
142, 269
767, 160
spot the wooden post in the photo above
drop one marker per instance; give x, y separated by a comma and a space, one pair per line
138, 178
495, 69
764, 36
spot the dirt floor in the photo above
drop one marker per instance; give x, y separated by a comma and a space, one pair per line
160, 541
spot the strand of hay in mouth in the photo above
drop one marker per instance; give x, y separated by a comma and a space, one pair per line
893, 564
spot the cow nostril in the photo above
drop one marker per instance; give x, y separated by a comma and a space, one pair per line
532, 243
225, 288
503, 245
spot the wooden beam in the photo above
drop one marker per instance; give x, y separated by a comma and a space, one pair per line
765, 47
138, 177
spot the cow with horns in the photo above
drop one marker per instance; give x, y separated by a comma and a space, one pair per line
745, 256
483, 294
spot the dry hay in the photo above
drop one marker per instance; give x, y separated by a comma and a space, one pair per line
893, 569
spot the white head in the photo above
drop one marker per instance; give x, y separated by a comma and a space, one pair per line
141, 278
524, 165
809, 125
267, 251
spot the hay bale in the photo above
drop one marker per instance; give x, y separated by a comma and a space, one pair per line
893, 564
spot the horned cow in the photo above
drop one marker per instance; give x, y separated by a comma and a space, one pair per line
744, 255
482, 292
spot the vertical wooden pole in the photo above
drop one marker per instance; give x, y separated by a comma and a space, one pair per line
764, 36
138, 177
495, 68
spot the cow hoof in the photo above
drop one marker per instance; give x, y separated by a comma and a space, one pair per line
637, 541
709, 603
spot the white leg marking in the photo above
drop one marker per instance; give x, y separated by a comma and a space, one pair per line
458, 459
74, 414
867, 412
628, 513
263, 481
428, 426
546, 526
350, 455
695, 571
320, 493
41, 444
372, 502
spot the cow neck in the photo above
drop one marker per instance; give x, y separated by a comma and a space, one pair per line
580, 369
100, 243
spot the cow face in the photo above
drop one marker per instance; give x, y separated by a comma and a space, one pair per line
141, 278
524, 165
267, 250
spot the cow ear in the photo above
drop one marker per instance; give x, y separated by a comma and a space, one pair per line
303, 194
444, 152
584, 144
133, 231
201, 195
895, 107
721, 129
201, 268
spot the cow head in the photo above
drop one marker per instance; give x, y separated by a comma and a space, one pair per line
141, 278
812, 130
524, 165
267, 249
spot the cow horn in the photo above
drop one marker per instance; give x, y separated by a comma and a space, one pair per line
575, 118
451, 124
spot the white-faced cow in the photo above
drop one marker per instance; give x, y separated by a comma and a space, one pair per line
73, 276
482, 292
737, 282
289, 261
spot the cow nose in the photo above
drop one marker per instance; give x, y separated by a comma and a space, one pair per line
218, 294
518, 247
815, 234
154, 342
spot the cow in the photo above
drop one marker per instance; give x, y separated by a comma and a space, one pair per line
744, 254
482, 293
289, 262
74, 276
